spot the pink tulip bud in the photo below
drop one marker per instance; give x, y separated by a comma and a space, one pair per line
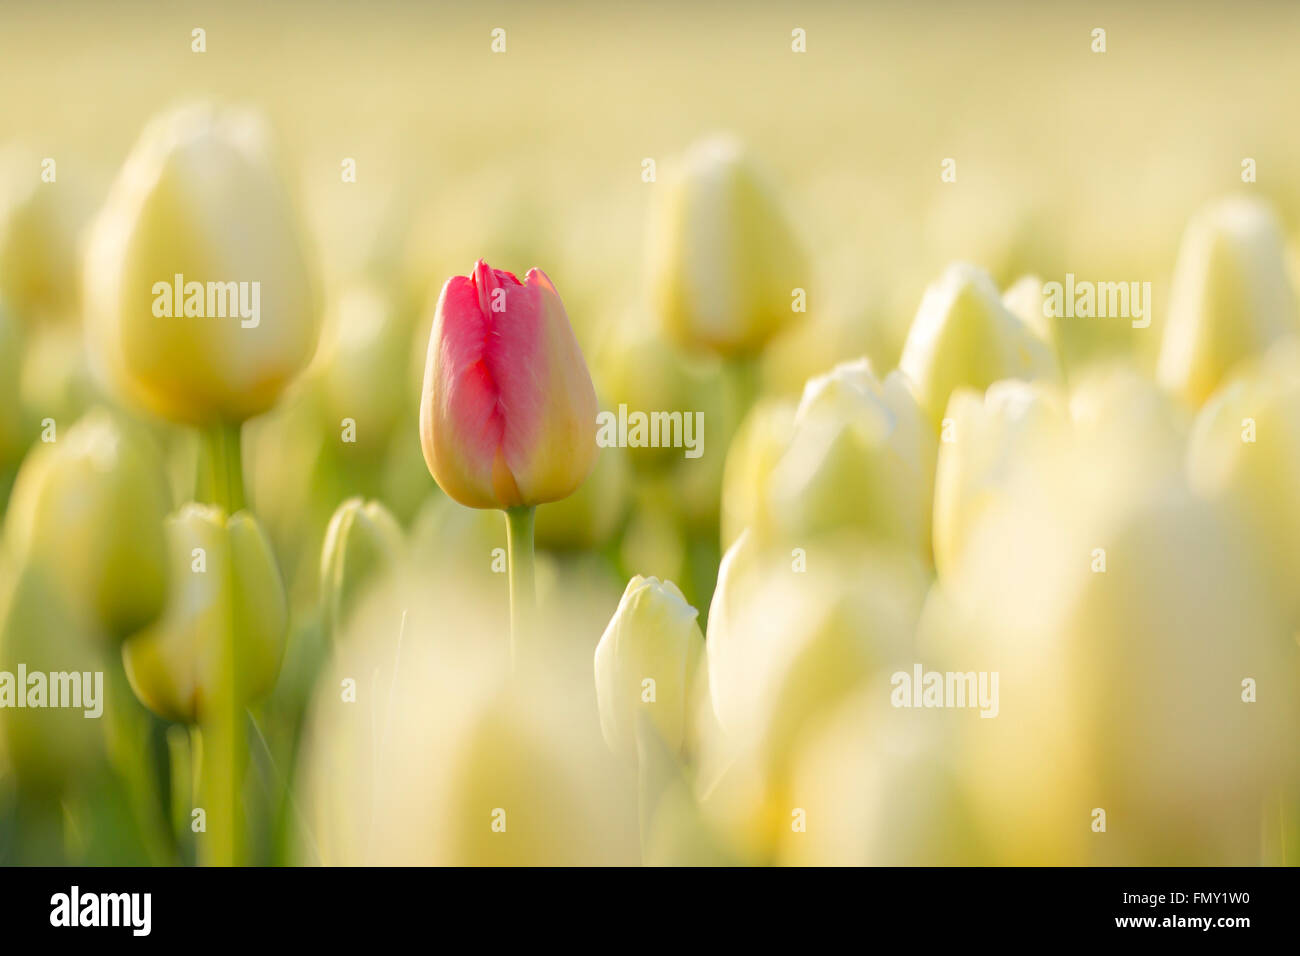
508, 416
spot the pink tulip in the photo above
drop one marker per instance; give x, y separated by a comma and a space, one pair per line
508, 415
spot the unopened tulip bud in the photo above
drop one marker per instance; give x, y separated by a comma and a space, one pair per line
1231, 296
200, 302
783, 647
57, 382
362, 543
648, 665
47, 747
508, 416
1244, 454
965, 336
367, 343
224, 581
38, 226
861, 455
89, 509
725, 260
1011, 421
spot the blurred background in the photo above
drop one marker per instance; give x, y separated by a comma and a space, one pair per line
1066, 160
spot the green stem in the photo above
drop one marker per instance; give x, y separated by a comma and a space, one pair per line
523, 589
225, 467
224, 751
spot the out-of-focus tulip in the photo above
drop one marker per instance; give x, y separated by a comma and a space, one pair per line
223, 576
508, 416
453, 766
725, 259
877, 786
862, 455
49, 748
1245, 455
89, 508
789, 633
648, 665
790, 636
1175, 633
964, 336
56, 379
762, 439
1231, 296
1117, 585
1011, 421
365, 343
38, 226
362, 543
638, 368
201, 205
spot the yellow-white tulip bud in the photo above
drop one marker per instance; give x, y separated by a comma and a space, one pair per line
362, 543
982, 437
964, 336
725, 260
89, 508
223, 577
793, 630
38, 226
43, 633
1231, 296
199, 299
648, 665
862, 455
453, 767
888, 778
367, 343
1245, 455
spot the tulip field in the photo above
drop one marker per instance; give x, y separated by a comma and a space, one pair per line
649, 434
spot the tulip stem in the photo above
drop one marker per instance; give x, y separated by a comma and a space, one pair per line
523, 590
225, 471
224, 751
